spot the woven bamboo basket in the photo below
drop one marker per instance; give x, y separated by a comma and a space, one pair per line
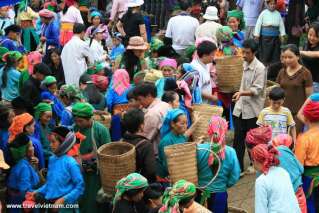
229, 71
104, 118
205, 112
182, 162
116, 160
232, 209
270, 85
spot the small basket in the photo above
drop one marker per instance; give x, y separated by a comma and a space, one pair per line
229, 70
116, 160
104, 118
205, 112
270, 85
182, 162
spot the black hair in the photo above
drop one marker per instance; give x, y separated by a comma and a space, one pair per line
93, 94
145, 89
28, 124
205, 48
42, 68
12, 28
20, 140
251, 44
131, 193
4, 115
315, 27
130, 94
170, 84
293, 48
185, 201
130, 62
132, 120
166, 51
184, 5
276, 94
153, 191
19, 103
61, 131
47, 58
92, 36
10, 61
169, 96
78, 28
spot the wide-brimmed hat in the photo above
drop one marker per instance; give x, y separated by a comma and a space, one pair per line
135, 3
3, 164
136, 43
211, 13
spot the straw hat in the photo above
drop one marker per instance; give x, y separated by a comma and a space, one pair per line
135, 3
211, 13
3, 164
136, 43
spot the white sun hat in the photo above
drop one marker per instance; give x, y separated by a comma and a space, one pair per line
135, 3
211, 13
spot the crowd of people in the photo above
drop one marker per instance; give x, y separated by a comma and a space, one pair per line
64, 64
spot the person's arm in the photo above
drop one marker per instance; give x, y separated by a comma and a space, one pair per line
260, 121
309, 91
191, 129
293, 133
109, 99
235, 172
258, 26
120, 28
53, 35
282, 28
310, 54
210, 97
261, 197
115, 8
301, 150
300, 115
143, 32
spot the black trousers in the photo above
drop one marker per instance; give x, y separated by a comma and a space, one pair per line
242, 126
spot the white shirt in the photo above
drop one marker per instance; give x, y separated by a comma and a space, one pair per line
204, 82
274, 193
208, 29
269, 18
72, 15
97, 51
73, 58
182, 30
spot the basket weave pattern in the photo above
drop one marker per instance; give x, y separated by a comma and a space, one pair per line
116, 160
104, 119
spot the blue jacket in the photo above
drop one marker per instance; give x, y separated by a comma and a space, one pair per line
112, 98
64, 179
11, 90
116, 51
57, 107
12, 45
52, 34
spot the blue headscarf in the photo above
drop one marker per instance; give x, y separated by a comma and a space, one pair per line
170, 116
95, 13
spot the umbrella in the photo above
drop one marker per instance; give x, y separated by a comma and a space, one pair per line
8, 2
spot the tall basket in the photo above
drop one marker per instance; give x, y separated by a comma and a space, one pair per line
205, 112
116, 160
182, 162
229, 70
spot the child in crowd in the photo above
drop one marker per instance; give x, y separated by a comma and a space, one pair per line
273, 188
23, 177
118, 48
171, 98
278, 117
133, 123
64, 184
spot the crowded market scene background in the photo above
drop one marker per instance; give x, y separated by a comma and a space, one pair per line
132, 106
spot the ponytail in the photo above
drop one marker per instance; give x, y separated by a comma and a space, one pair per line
10, 61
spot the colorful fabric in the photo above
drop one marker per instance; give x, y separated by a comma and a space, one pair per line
132, 181
33, 58
182, 85
81, 109
3, 51
40, 108
311, 111
121, 81
181, 190
48, 80
70, 91
98, 67
19, 147
16, 55
95, 14
18, 125
170, 116
168, 62
156, 44
239, 15
266, 155
153, 75
46, 13
312, 172
217, 130
139, 77
260, 135
50, 5
282, 140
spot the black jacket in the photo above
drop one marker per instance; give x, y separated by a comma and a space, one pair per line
31, 92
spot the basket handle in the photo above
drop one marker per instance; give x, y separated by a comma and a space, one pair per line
219, 167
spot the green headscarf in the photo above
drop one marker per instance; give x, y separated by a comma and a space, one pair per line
190, 51
156, 44
180, 191
70, 91
132, 181
3, 51
49, 80
239, 15
12, 54
40, 108
98, 67
82, 109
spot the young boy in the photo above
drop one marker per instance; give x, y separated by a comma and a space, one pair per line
118, 48
133, 123
277, 116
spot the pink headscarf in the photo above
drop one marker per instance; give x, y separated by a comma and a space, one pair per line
121, 81
217, 130
282, 140
168, 62
266, 155
34, 58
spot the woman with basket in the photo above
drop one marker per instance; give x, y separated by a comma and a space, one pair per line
214, 193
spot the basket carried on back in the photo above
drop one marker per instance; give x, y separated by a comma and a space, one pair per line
270, 85
182, 162
229, 70
116, 160
104, 118
205, 112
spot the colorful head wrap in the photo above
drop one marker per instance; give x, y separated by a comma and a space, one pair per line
170, 116
168, 62
46, 13
217, 130
12, 54
3, 51
95, 13
189, 52
70, 91
282, 140
130, 182
121, 81
84, 110
40, 108
66, 137
224, 34
156, 44
311, 111
239, 15
181, 190
69, 3
260, 135
153, 75
51, 5
48, 80
19, 147
98, 67
18, 124
266, 155
139, 77
33, 58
